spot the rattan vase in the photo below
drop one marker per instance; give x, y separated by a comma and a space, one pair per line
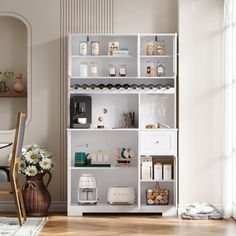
37, 199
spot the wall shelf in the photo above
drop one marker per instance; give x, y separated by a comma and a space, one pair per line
13, 95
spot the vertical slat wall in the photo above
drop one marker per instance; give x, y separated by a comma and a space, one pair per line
78, 16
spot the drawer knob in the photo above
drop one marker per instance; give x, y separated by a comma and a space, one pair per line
157, 142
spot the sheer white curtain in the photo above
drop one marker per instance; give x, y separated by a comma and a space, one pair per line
230, 104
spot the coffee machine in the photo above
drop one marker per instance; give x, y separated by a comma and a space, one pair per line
80, 112
87, 189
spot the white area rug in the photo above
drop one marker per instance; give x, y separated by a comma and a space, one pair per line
9, 226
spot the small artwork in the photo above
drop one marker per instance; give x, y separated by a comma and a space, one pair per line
124, 155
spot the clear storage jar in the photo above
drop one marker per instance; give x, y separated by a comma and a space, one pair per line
160, 47
83, 69
95, 48
112, 70
149, 69
160, 70
150, 48
93, 69
122, 70
83, 48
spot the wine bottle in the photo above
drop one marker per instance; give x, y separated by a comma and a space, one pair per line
84, 86
126, 86
110, 86
101, 86
75, 86
151, 86
167, 86
159, 86
93, 86
142, 86
134, 86
118, 86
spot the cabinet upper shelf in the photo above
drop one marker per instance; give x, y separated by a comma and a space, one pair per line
13, 95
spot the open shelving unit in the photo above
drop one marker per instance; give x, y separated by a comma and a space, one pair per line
149, 105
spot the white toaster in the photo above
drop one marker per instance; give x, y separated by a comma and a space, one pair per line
121, 195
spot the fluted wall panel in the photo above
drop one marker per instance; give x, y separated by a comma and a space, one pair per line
78, 16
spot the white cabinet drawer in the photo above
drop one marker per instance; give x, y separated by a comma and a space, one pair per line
158, 142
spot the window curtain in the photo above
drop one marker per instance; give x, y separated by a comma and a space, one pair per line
230, 103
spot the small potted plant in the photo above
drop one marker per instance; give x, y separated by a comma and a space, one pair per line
34, 163
4, 76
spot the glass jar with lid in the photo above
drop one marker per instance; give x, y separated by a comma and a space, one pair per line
83, 48
160, 70
122, 70
95, 48
150, 48
112, 70
149, 69
83, 69
93, 69
160, 47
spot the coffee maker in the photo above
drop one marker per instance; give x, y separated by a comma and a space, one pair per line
80, 112
87, 189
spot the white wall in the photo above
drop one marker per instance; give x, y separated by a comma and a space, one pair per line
200, 101
139, 16
13, 48
44, 126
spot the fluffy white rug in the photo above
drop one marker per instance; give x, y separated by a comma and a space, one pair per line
9, 226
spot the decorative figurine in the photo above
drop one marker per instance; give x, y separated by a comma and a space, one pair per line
100, 122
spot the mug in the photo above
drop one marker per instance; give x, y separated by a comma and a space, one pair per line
82, 121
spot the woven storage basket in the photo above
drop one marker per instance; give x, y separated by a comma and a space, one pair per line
157, 196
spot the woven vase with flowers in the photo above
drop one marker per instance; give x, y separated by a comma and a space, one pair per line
35, 163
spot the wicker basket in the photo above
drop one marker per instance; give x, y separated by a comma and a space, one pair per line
157, 196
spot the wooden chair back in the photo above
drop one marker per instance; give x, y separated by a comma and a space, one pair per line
18, 143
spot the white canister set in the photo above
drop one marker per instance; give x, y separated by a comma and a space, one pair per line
156, 171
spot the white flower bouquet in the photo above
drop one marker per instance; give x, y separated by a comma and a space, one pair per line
35, 160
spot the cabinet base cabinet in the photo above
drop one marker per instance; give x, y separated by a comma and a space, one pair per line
75, 210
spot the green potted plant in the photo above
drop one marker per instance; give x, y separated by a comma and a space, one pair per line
34, 163
4, 76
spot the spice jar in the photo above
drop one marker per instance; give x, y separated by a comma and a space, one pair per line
112, 70
83, 48
150, 48
83, 69
160, 48
95, 48
122, 70
149, 68
160, 69
93, 69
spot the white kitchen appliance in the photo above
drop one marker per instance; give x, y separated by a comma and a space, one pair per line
87, 189
121, 196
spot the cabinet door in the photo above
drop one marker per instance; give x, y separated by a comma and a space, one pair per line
158, 142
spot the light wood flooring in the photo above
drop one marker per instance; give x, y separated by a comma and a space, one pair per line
128, 225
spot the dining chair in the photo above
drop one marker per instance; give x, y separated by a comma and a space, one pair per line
12, 170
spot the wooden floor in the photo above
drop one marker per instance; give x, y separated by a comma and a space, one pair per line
114, 225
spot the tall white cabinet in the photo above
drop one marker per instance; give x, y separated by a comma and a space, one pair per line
151, 99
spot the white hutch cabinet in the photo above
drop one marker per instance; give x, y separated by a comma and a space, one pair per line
147, 92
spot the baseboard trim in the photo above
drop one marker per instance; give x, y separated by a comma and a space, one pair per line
181, 208
55, 207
